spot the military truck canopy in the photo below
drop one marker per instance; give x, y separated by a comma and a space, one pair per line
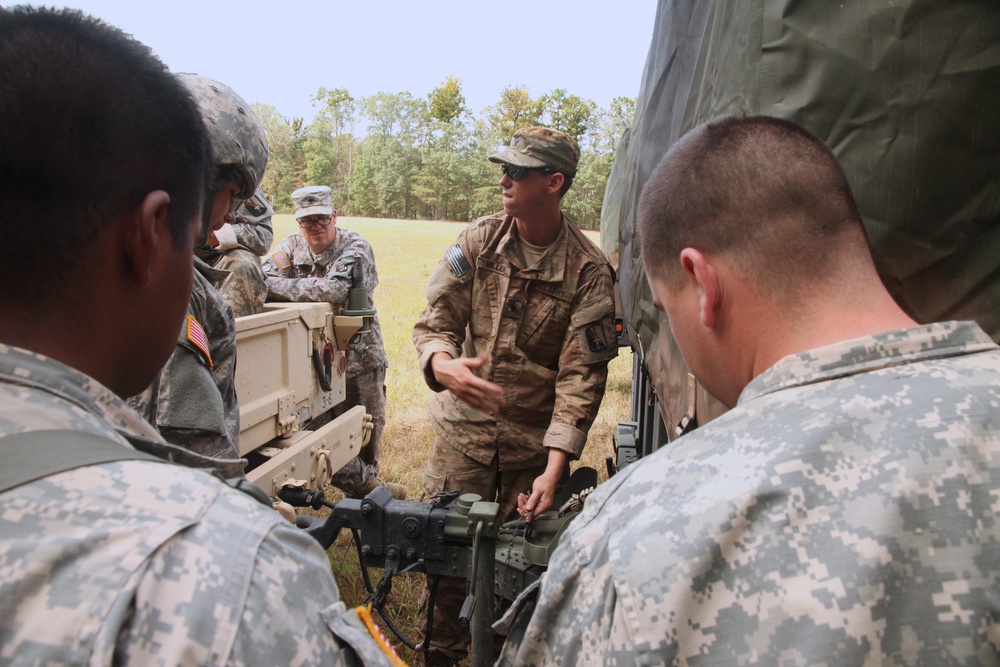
906, 93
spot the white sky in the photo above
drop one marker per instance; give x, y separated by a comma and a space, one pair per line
280, 53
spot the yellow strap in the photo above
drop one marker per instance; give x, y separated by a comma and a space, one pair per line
364, 612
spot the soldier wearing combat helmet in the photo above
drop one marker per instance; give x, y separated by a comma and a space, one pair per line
515, 398
192, 402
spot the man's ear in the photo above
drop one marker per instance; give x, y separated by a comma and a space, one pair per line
706, 278
556, 180
146, 234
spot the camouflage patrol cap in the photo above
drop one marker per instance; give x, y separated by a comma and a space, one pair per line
541, 147
237, 135
313, 200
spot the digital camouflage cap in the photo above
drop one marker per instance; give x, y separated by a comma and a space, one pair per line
536, 147
237, 135
313, 200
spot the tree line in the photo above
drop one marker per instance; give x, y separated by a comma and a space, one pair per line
425, 158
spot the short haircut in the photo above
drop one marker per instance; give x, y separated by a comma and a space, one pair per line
763, 192
567, 184
90, 123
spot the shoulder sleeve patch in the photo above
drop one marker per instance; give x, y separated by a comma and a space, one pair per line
197, 337
457, 260
281, 259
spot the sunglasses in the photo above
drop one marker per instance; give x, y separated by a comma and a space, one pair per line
517, 173
309, 224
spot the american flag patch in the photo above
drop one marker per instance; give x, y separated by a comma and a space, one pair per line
457, 261
196, 334
281, 259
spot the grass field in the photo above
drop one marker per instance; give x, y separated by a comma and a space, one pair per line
406, 252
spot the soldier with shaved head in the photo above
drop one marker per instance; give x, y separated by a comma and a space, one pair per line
844, 510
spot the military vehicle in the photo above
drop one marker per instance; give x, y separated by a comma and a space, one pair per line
907, 95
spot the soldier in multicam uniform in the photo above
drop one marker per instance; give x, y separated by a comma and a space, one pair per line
192, 401
131, 561
237, 248
316, 264
844, 511
515, 341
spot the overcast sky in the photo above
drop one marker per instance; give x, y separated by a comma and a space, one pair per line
280, 53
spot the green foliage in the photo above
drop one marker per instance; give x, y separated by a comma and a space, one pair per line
416, 158
569, 113
447, 103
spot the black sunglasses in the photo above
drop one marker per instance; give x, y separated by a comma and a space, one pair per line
517, 173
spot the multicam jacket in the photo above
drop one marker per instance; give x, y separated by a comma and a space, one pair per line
145, 563
547, 332
844, 513
192, 401
296, 274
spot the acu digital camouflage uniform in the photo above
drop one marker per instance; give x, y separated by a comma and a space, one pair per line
192, 400
844, 513
145, 563
241, 245
547, 332
296, 274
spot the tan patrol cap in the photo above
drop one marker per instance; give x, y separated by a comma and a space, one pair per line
536, 147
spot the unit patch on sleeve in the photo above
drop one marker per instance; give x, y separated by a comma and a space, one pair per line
595, 338
457, 261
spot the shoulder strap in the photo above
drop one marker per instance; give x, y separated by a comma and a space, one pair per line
26, 457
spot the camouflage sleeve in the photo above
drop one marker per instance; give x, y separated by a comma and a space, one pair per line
279, 603
334, 286
253, 229
442, 325
276, 264
589, 344
183, 402
573, 615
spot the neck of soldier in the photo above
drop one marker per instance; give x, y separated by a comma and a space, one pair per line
540, 227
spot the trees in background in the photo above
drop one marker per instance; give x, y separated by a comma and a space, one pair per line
426, 158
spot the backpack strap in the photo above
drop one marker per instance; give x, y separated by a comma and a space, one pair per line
32, 455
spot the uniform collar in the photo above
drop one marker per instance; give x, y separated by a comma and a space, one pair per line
552, 268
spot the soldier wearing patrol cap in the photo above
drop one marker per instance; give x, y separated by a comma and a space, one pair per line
109, 555
316, 264
844, 511
515, 341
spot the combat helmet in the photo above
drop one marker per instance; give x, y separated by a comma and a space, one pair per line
237, 135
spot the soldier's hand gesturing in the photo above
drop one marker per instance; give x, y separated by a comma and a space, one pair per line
459, 377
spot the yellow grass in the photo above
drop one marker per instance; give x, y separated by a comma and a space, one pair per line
406, 252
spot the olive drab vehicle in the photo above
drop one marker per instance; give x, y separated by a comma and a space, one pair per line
906, 94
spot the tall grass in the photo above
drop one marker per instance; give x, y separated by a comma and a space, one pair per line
406, 252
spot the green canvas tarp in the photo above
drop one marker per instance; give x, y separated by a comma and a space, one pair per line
907, 94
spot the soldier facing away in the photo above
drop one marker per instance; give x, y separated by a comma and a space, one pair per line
515, 341
318, 264
844, 511
129, 561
